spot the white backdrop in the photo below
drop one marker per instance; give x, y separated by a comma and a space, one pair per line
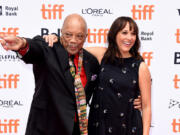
159, 23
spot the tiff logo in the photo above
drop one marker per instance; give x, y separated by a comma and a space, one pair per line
51, 12
177, 58
176, 125
147, 56
9, 81
0, 10
9, 31
176, 80
97, 36
9, 126
177, 34
142, 12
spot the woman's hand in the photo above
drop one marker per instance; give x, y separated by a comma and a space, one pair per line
51, 39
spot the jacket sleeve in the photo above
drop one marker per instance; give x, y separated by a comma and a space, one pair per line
37, 49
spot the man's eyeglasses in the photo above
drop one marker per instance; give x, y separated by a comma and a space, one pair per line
77, 36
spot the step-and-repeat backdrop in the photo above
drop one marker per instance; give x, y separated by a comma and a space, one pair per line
159, 23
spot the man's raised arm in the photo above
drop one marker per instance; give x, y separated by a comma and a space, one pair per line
30, 50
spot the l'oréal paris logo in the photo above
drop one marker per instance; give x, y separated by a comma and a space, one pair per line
10, 103
97, 12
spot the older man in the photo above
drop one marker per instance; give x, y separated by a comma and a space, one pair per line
67, 78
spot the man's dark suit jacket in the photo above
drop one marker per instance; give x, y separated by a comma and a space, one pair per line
54, 105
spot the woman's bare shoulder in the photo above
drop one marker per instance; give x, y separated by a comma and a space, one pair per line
98, 52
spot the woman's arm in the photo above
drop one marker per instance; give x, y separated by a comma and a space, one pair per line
98, 52
145, 89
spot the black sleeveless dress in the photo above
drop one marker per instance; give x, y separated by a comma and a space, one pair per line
112, 111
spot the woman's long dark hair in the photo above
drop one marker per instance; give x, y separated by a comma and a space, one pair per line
113, 50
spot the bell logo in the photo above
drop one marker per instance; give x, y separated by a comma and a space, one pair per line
147, 56
9, 126
52, 11
177, 58
177, 36
45, 31
9, 31
176, 125
97, 36
9, 81
176, 80
142, 12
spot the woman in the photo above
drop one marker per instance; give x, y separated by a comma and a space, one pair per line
123, 76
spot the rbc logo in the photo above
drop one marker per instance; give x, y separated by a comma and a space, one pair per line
0, 10
179, 11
